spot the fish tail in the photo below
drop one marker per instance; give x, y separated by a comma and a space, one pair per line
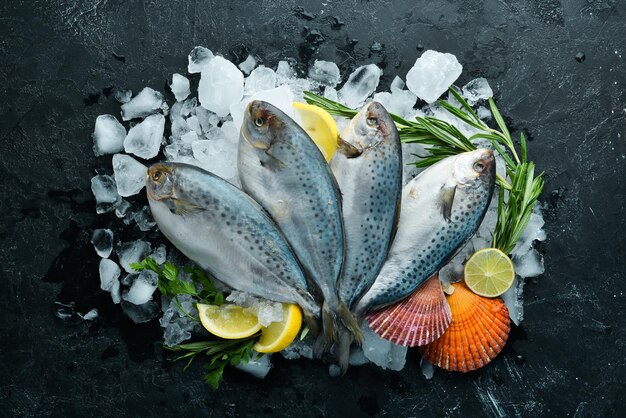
312, 321
349, 320
328, 323
342, 349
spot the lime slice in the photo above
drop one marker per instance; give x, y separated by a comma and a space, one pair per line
228, 321
489, 272
278, 335
320, 126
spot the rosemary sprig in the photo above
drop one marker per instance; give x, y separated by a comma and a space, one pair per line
220, 352
443, 140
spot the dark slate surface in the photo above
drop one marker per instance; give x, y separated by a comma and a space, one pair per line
60, 60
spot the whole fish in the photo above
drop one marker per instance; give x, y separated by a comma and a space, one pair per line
282, 169
368, 169
227, 233
441, 209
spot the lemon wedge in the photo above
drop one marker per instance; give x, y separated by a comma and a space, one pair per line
320, 126
228, 321
278, 335
489, 272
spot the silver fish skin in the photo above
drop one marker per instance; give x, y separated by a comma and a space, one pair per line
368, 169
226, 233
281, 168
441, 209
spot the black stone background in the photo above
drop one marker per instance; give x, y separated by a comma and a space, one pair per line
60, 60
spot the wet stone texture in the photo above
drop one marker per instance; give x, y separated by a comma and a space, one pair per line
558, 72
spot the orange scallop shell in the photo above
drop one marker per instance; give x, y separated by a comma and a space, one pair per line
477, 334
417, 320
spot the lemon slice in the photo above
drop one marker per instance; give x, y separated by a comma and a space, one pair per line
278, 335
489, 272
320, 126
228, 321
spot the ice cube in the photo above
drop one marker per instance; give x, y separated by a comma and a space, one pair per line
91, 315
360, 85
108, 135
477, 89
219, 156
143, 218
122, 209
109, 278
452, 99
298, 86
280, 97
132, 252
141, 313
177, 326
207, 119
410, 155
334, 370
483, 113
221, 85
174, 334
299, 348
357, 357
102, 240
381, 352
325, 72
258, 367
123, 96
268, 312
261, 78
130, 174
194, 124
432, 74
248, 65
189, 137
142, 288
147, 102
284, 73
159, 254
428, 369
397, 84
104, 189
400, 102
198, 58
529, 264
188, 107
144, 139
514, 300
180, 87
331, 93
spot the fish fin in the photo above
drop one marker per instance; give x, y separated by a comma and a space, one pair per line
328, 323
184, 208
416, 320
447, 199
272, 163
312, 321
342, 349
350, 322
347, 149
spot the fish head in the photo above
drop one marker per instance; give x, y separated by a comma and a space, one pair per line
261, 121
475, 169
369, 127
160, 181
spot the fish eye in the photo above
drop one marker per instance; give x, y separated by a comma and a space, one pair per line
479, 166
259, 122
156, 176
371, 121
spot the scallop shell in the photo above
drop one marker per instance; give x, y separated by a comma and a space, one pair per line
417, 320
478, 332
